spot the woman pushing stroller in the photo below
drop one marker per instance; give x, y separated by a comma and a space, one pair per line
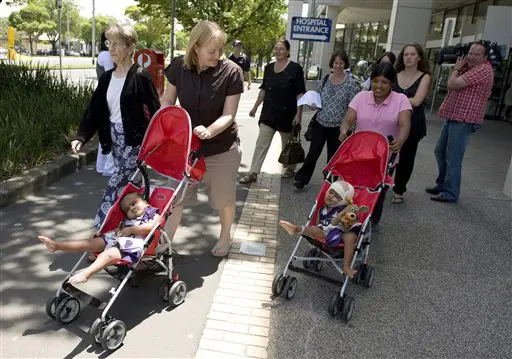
337, 222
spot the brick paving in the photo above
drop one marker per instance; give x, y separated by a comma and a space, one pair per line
238, 323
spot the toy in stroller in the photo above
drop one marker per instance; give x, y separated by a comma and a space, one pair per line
362, 161
169, 148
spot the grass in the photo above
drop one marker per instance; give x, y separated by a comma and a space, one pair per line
39, 116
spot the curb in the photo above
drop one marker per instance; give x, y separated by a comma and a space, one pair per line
33, 180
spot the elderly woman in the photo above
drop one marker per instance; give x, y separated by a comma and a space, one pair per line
283, 84
116, 112
209, 87
381, 110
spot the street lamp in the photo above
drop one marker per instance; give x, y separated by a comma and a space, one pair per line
171, 42
93, 32
59, 8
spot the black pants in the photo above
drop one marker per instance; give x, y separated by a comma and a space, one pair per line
405, 165
319, 136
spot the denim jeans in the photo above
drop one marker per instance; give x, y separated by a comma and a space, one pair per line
449, 151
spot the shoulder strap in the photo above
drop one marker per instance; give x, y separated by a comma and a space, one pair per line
324, 81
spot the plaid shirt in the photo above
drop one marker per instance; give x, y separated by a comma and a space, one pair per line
468, 104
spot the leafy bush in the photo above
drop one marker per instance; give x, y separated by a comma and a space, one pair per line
39, 114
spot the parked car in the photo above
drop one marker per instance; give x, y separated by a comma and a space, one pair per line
3, 53
21, 50
43, 52
72, 53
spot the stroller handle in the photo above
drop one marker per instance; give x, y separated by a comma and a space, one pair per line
145, 177
392, 158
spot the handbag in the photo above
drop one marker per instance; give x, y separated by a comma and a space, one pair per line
293, 152
309, 134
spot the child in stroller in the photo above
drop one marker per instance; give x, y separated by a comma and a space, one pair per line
126, 242
337, 198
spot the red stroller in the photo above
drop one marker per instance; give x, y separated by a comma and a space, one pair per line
169, 148
362, 160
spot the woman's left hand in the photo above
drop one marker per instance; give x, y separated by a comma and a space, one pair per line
395, 145
202, 132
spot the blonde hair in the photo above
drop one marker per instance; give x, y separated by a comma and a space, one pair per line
125, 32
203, 33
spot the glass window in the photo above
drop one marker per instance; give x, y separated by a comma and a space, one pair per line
465, 18
481, 10
504, 2
436, 23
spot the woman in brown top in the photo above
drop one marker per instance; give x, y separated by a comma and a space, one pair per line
209, 88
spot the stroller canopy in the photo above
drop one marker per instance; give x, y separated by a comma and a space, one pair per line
361, 160
169, 143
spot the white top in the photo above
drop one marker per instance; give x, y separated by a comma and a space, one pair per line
114, 98
309, 98
105, 60
367, 84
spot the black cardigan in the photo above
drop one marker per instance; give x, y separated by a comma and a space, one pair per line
138, 90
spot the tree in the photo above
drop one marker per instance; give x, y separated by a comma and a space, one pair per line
181, 40
33, 20
240, 19
102, 22
152, 29
68, 7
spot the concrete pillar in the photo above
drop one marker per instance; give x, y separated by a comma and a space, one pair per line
294, 9
507, 189
410, 22
326, 48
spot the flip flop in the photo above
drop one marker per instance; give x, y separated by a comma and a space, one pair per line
397, 199
220, 250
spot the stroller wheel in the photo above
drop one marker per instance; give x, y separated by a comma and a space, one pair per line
67, 310
307, 263
96, 331
278, 284
318, 266
291, 287
177, 293
113, 335
347, 309
52, 303
335, 304
163, 291
369, 276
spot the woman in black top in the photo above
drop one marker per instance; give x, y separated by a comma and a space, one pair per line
283, 84
120, 110
413, 79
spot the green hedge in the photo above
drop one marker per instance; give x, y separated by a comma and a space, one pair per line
38, 116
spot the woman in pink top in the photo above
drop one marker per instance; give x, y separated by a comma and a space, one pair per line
381, 110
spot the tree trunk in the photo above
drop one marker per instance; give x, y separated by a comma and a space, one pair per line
260, 62
30, 44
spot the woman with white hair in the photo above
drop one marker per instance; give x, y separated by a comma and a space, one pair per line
120, 110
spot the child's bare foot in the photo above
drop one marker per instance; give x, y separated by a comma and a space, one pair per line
49, 243
78, 278
351, 273
289, 227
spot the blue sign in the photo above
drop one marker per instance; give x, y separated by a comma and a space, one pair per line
311, 29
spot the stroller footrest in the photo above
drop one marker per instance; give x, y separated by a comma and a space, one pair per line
315, 275
83, 297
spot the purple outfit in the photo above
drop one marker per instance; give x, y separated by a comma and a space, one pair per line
131, 247
334, 234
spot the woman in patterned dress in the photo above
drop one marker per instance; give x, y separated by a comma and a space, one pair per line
336, 93
120, 110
